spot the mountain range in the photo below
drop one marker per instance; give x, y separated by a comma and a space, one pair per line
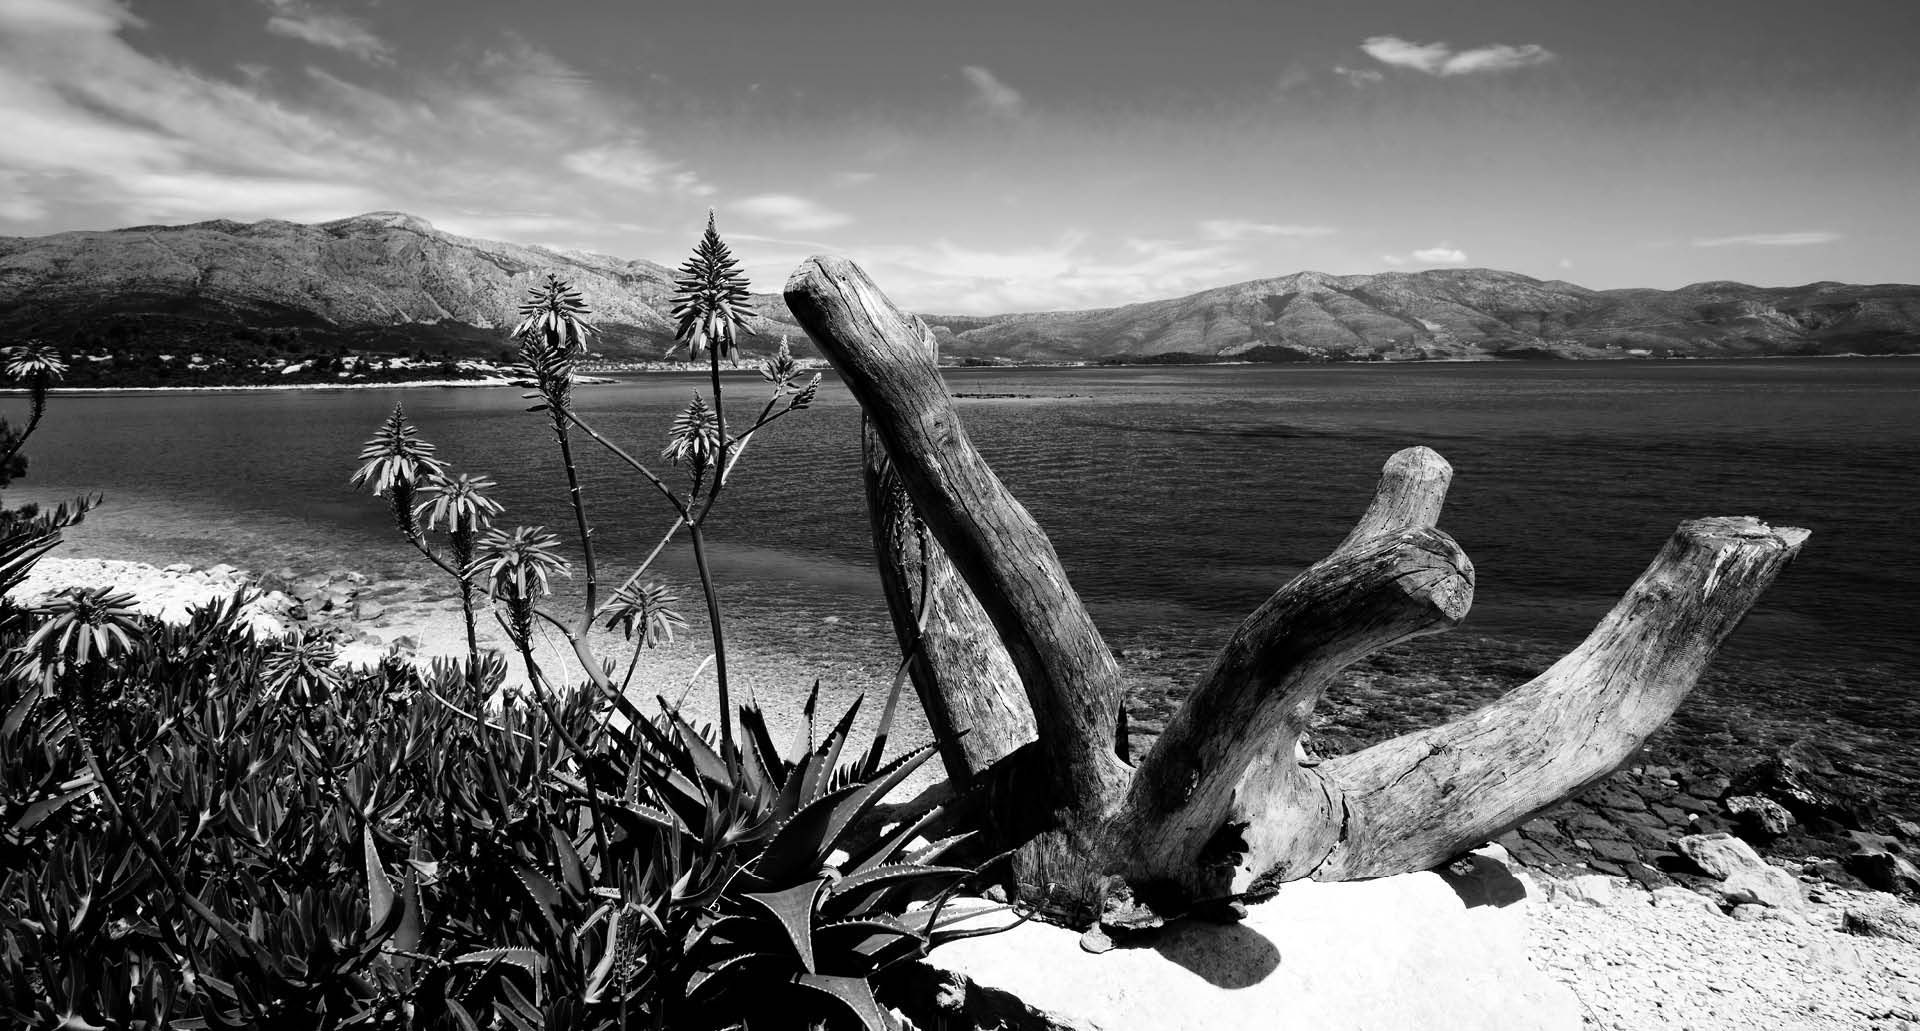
391, 280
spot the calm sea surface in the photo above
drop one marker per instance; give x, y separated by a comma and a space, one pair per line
1178, 498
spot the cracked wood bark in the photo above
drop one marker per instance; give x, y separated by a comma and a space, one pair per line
1069, 676
1223, 800
1184, 830
1422, 798
966, 683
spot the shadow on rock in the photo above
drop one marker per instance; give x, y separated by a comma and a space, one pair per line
1230, 956
1483, 881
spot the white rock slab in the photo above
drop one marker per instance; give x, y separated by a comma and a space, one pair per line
1396, 954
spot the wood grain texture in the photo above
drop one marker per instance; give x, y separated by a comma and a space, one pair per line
1254, 704
966, 684
1423, 798
1071, 680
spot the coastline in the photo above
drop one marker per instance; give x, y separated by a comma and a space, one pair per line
369, 617
649, 370
1636, 958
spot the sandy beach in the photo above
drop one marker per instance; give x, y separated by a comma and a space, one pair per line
773, 665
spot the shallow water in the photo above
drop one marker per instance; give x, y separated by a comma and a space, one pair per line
1178, 498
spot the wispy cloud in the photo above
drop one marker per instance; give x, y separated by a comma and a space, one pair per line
1074, 270
1358, 77
790, 213
1808, 239
100, 128
1232, 229
1442, 59
1444, 254
633, 164
334, 31
992, 94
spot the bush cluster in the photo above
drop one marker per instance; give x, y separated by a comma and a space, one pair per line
203, 829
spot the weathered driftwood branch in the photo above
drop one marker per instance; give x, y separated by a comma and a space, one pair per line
1071, 680
966, 683
1420, 799
1221, 799
1182, 822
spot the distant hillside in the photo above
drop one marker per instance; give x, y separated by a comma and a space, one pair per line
382, 280
391, 281
1456, 313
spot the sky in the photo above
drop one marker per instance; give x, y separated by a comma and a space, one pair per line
1004, 155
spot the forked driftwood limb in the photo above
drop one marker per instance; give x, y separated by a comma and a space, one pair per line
1222, 800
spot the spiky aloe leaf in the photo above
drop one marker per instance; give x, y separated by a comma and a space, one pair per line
705, 759
526, 959
406, 937
803, 734
859, 894
542, 891
886, 849
836, 741
571, 869
813, 834
46, 807
633, 816
864, 936
734, 935
753, 729
794, 909
380, 894
708, 979
802, 843
890, 942
939, 848
854, 994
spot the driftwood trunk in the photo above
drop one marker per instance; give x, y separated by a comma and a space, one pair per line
1222, 801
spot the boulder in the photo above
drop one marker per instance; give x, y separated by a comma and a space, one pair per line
177, 568
1884, 871
1905, 828
1744, 877
1400, 952
1718, 855
1759, 819
370, 610
1898, 923
1801, 779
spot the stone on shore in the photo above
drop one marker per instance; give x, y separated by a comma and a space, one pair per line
1759, 819
1885, 872
1744, 877
1406, 952
1897, 923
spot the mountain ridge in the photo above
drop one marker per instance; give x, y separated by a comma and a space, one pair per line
389, 279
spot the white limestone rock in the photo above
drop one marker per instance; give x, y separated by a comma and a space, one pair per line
1407, 953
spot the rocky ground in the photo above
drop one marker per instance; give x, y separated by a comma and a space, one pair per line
1675, 958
